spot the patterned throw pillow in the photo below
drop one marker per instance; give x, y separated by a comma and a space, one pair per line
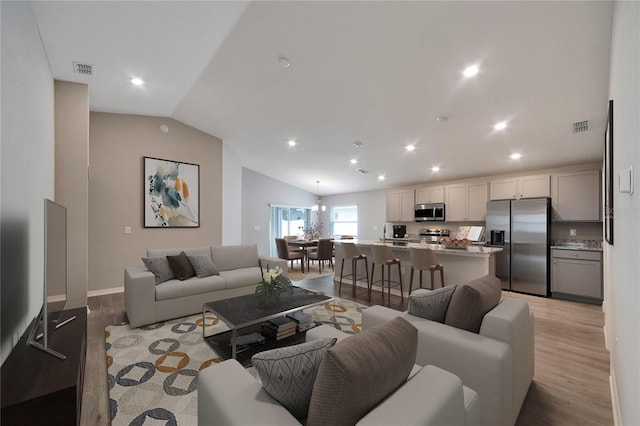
159, 266
203, 265
431, 304
288, 373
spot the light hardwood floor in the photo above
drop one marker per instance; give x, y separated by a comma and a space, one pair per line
570, 385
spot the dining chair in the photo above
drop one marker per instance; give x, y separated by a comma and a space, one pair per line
286, 254
424, 260
291, 249
322, 254
383, 256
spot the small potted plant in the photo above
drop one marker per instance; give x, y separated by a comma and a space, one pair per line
272, 285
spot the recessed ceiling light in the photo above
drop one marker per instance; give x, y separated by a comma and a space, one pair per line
380, 177
292, 142
442, 119
435, 169
501, 125
516, 156
470, 71
137, 81
284, 62
410, 147
354, 161
357, 144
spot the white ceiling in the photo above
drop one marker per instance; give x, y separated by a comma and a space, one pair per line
376, 72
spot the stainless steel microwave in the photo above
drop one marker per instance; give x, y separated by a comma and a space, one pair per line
429, 212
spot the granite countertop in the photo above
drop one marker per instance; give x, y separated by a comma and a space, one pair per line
581, 245
472, 250
577, 247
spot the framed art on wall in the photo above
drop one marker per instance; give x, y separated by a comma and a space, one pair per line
171, 194
608, 177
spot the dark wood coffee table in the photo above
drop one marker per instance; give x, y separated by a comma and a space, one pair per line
243, 316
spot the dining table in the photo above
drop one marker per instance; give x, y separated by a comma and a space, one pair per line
303, 245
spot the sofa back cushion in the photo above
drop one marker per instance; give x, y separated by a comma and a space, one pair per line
235, 257
194, 251
361, 371
471, 301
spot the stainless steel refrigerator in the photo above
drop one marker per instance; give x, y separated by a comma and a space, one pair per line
523, 229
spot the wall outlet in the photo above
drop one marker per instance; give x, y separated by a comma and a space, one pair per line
572, 232
256, 227
127, 229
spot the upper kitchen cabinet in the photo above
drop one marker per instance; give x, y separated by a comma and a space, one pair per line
521, 187
576, 196
466, 202
432, 194
400, 205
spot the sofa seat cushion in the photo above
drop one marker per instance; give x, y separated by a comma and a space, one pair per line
174, 289
361, 371
242, 277
471, 301
228, 258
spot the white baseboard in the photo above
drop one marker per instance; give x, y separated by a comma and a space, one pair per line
615, 405
105, 291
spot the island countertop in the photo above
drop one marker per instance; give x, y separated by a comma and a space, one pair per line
471, 250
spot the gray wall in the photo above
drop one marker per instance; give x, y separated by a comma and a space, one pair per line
259, 192
622, 269
231, 196
27, 159
118, 143
371, 212
72, 185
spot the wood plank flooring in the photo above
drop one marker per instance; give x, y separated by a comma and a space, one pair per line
570, 385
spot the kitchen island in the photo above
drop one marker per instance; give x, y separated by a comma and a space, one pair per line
460, 265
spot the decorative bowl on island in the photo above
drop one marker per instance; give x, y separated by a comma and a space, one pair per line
454, 243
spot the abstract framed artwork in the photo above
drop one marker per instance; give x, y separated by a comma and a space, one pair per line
608, 177
171, 194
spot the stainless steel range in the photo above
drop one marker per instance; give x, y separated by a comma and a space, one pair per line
433, 236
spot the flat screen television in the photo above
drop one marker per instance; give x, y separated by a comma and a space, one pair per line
54, 278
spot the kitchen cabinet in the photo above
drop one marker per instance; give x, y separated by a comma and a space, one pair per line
576, 196
400, 205
433, 194
576, 273
466, 202
521, 187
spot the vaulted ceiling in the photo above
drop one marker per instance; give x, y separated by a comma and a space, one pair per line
380, 73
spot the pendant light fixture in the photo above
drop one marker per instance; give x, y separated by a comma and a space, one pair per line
318, 205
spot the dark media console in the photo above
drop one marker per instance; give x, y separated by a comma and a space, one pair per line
39, 389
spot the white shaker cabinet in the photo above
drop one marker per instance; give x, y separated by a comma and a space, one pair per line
400, 206
576, 196
466, 202
432, 194
521, 187
576, 273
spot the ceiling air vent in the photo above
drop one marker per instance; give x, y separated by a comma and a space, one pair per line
85, 69
361, 170
580, 126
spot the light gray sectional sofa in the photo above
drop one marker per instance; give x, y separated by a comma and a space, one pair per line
240, 271
498, 363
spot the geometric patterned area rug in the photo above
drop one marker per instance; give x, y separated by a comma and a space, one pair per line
153, 370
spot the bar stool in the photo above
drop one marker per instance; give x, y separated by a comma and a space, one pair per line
383, 256
350, 251
424, 260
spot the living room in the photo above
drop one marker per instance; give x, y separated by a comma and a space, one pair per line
36, 165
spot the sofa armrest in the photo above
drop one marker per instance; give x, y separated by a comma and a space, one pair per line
484, 364
444, 404
267, 262
229, 395
139, 295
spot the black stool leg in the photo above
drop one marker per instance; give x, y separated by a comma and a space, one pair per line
411, 280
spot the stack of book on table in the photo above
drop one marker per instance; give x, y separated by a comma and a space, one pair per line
303, 321
279, 328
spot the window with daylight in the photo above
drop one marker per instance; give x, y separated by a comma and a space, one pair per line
344, 220
287, 221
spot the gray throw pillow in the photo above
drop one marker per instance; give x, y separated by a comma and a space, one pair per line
160, 268
288, 373
361, 371
181, 266
203, 265
431, 304
471, 301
